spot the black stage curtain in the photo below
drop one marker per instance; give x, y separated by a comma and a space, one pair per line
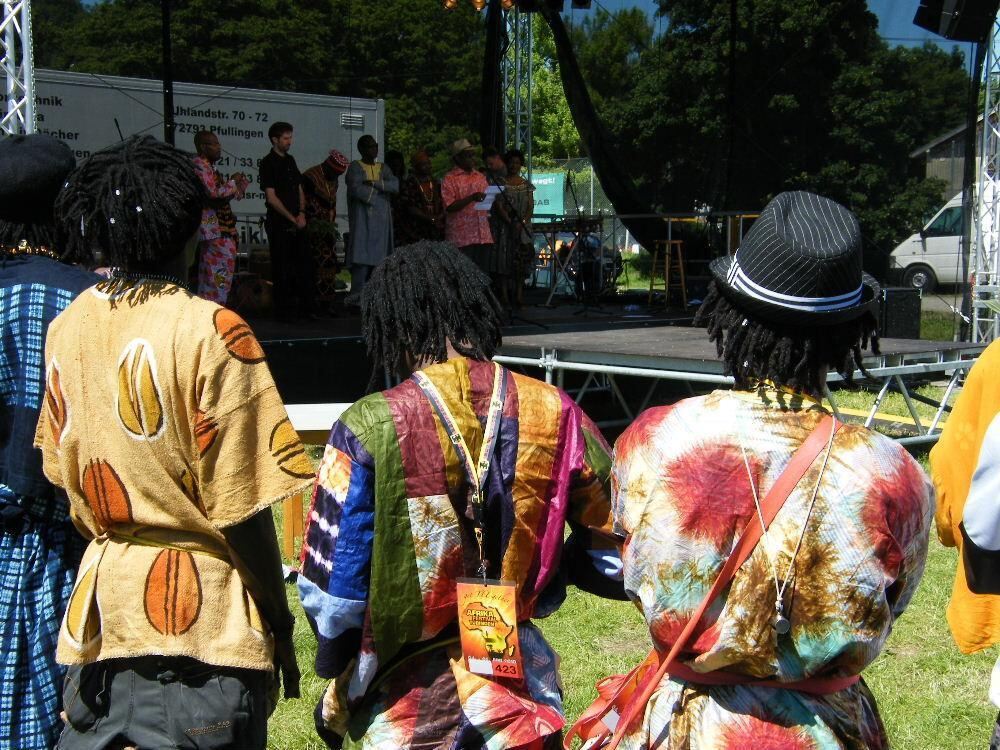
598, 142
491, 124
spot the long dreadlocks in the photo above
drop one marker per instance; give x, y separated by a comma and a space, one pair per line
422, 297
137, 202
790, 356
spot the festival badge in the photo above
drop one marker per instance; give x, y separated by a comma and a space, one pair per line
487, 623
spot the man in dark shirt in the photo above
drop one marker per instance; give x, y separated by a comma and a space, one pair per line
291, 263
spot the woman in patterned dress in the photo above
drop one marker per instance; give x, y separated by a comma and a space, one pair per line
521, 196
776, 659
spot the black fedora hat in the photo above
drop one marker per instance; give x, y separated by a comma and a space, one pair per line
800, 264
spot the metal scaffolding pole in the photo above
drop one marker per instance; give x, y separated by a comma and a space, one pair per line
985, 278
17, 68
517, 72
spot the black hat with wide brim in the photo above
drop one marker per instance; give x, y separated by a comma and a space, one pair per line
799, 265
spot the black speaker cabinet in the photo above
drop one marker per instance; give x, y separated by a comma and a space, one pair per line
899, 317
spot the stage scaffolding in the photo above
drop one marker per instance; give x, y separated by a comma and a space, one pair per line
516, 72
985, 276
17, 68
946, 362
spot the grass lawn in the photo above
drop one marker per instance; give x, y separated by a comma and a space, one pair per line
931, 697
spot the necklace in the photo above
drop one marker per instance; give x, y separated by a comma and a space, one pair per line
781, 623
143, 278
428, 197
23, 248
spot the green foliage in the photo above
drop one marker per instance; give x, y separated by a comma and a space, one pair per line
424, 62
554, 133
817, 102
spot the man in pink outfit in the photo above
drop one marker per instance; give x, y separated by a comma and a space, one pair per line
466, 227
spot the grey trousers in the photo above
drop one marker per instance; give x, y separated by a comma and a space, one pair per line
156, 703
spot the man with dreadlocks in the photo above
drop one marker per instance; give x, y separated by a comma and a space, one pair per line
39, 548
164, 427
770, 547
400, 514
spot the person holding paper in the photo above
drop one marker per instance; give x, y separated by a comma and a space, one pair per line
467, 225
409, 503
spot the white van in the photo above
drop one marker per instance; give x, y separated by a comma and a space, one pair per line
932, 256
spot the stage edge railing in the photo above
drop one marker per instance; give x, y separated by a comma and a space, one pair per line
892, 375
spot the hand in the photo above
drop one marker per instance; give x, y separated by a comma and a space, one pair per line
286, 669
240, 177
300, 221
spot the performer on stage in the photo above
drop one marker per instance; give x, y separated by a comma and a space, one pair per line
294, 276
467, 227
320, 185
217, 237
397, 512
520, 202
421, 207
775, 658
369, 186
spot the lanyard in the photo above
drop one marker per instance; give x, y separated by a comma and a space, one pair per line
475, 472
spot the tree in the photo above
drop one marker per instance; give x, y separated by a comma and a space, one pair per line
423, 61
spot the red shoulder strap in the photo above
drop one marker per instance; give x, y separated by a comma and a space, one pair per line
633, 698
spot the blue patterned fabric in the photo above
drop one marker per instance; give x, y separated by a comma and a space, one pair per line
39, 554
33, 290
39, 548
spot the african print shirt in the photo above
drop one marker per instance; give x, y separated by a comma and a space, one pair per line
162, 423
389, 533
216, 221
683, 496
467, 226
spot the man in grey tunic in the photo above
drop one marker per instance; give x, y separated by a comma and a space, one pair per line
369, 184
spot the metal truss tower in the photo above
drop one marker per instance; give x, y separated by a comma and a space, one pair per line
516, 76
17, 67
985, 268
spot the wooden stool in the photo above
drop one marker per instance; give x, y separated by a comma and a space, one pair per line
672, 254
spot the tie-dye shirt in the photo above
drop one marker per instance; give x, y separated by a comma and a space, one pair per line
682, 495
389, 533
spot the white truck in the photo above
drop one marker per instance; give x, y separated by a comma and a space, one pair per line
933, 255
90, 112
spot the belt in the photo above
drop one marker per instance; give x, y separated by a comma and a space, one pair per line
197, 548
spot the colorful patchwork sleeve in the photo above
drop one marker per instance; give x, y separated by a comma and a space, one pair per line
337, 551
593, 550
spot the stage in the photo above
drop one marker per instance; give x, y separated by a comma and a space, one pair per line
616, 361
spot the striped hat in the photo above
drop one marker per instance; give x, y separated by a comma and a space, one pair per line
800, 264
337, 161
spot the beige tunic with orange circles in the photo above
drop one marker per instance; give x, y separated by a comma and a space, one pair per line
163, 424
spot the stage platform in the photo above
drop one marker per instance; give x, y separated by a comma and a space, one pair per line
617, 360
684, 354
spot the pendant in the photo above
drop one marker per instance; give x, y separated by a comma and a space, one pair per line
782, 624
